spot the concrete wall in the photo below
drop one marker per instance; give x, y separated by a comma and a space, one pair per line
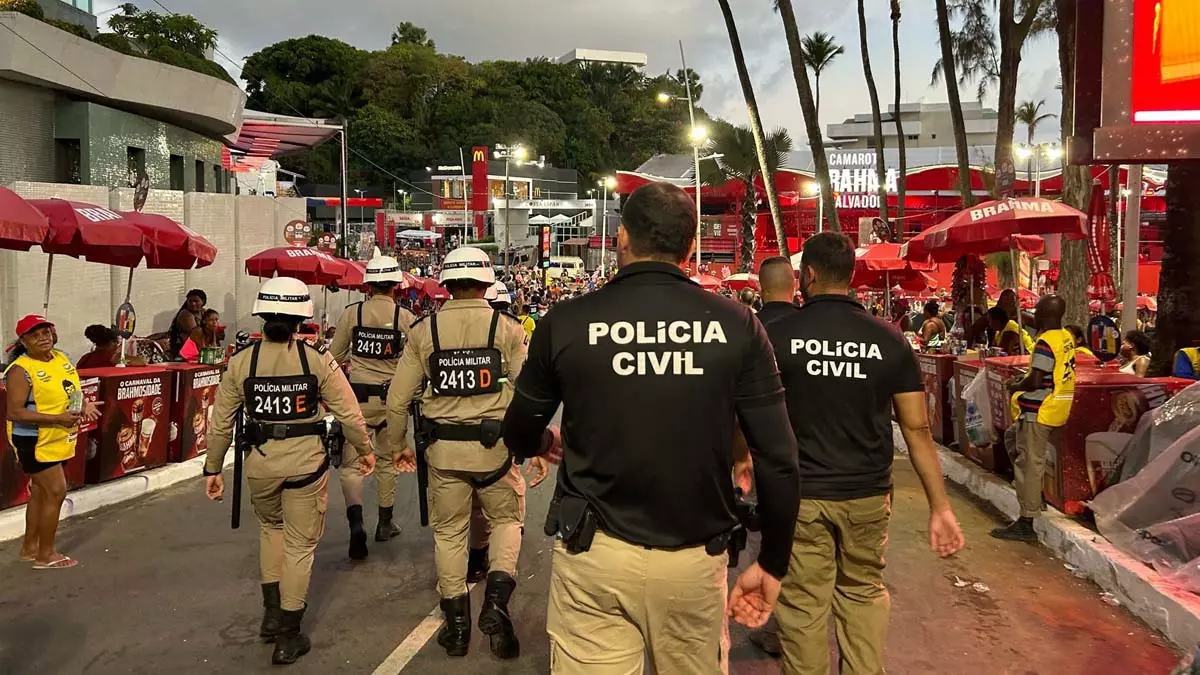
67, 11
26, 133
84, 293
106, 134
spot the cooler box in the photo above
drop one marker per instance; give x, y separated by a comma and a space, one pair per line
1000, 370
936, 371
193, 393
134, 426
1108, 405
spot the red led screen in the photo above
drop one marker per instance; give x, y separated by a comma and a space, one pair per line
1166, 62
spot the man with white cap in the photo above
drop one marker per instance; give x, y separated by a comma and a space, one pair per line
498, 296
470, 354
281, 383
371, 335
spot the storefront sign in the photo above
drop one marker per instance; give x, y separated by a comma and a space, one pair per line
561, 204
297, 233
327, 242
855, 180
452, 204
479, 178
545, 247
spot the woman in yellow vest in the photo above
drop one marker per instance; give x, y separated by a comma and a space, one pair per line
1010, 337
45, 407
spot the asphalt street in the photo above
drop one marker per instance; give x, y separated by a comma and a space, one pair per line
164, 586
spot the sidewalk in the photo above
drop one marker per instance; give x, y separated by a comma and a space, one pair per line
88, 499
1164, 606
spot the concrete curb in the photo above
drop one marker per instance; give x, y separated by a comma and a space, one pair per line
88, 499
1159, 602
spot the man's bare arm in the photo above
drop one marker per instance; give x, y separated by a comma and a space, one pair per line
914, 425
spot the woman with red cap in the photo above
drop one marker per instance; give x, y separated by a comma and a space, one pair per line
45, 407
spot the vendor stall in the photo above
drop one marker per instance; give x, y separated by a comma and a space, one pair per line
936, 371
991, 456
193, 393
135, 421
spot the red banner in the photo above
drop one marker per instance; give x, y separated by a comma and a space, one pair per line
479, 178
1101, 285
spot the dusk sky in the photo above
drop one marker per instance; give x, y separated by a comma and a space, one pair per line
484, 29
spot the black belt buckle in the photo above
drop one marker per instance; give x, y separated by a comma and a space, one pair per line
490, 432
279, 432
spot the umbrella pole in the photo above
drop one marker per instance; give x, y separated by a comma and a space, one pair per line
1017, 282
887, 294
129, 285
46, 297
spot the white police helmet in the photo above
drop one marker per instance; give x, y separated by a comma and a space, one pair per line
467, 263
383, 269
285, 296
498, 293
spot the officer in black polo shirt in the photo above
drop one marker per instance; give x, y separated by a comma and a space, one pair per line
778, 281
844, 372
653, 372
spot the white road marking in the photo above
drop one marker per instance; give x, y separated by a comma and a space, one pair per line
399, 659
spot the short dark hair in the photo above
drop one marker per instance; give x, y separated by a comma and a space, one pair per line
831, 254
932, 307
199, 294
1077, 333
998, 313
99, 335
1139, 340
660, 220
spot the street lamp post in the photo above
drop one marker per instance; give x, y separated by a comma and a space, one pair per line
509, 153
698, 135
403, 201
1033, 154
814, 190
606, 184
361, 214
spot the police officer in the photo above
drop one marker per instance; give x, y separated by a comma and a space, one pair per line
371, 335
282, 384
844, 372
466, 350
777, 278
652, 372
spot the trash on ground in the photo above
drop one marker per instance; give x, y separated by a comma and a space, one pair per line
1110, 599
980, 587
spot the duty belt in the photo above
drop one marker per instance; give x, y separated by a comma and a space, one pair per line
261, 432
364, 392
458, 432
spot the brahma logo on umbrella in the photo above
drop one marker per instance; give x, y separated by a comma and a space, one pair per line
1035, 205
96, 214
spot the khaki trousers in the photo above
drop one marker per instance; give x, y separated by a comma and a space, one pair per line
291, 522
503, 505
616, 602
1029, 465
837, 563
481, 532
351, 480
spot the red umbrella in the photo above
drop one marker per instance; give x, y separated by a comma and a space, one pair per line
432, 288
21, 225
172, 246
707, 281
918, 249
986, 227
354, 277
886, 257
1147, 302
737, 282
91, 232
313, 267
909, 280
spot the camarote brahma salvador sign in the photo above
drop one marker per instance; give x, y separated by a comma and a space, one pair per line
853, 177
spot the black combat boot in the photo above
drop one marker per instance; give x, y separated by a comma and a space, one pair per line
291, 644
494, 620
386, 528
455, 635
272, 621
358, 534
477, 565
1020, 529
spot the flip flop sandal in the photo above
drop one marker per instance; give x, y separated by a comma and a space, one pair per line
62, 563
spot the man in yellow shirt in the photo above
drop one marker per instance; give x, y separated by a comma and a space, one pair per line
526, 320
1010, 337
1044, 398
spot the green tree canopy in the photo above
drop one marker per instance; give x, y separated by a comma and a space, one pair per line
419, 107
152, 30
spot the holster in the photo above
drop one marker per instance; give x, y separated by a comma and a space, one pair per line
335, 443
574, 520
423, 434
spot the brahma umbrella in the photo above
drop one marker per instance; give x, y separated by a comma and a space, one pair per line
707, 281
313, 267
988, 225
21, 225
172, 245
736, 282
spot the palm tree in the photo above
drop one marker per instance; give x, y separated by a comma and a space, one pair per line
876, 119
768, 174
899, 124
740, 161
1073, 268
812, 126
1013, 34
956, 115
820, 49
1030, 114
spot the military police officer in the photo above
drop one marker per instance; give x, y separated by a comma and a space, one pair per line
653, 374
371, 335
466, 350
282, 383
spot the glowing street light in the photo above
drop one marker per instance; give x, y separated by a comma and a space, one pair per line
664, 97
698, 134
509, 153
1034, 154
605, 184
